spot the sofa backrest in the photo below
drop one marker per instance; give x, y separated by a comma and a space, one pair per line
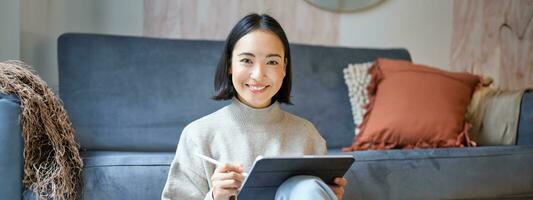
137, 94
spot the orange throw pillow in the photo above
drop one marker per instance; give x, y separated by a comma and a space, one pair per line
415, 106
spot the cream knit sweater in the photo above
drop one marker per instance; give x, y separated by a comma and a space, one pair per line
236, 134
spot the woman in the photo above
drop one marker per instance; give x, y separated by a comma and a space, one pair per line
255, 73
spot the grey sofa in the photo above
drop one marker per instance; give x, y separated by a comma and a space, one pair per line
130, 97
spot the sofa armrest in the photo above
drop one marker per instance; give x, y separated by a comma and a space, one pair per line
11, 147
524, 136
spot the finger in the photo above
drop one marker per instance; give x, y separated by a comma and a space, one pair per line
227, 176
226, 167
341, 181
337, 190
233, 175
217, 178
227, 192
229, 184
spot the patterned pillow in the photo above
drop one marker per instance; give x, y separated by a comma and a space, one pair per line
356, 77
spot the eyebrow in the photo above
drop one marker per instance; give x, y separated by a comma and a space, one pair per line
273, 55
252, 55
246, 54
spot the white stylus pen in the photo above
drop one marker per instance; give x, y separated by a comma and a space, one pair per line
213, 161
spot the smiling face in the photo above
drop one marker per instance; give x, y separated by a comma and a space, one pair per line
257, 68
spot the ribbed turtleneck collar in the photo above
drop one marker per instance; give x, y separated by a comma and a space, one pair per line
248, 115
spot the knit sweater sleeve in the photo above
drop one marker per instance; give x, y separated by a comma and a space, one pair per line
186, 179
319, 147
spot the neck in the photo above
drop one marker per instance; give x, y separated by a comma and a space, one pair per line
249, 115
269, 103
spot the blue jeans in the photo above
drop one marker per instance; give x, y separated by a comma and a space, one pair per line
304, 187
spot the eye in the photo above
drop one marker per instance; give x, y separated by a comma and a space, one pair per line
246, 61
272, 62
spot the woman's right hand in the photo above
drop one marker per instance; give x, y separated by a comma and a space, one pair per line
226, 180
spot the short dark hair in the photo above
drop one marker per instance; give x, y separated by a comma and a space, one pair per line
223, 85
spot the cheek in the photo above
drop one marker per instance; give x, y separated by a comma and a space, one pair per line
278, 77
238, 75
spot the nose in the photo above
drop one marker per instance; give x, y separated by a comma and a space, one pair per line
258, 72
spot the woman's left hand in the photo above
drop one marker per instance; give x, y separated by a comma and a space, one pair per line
338, 189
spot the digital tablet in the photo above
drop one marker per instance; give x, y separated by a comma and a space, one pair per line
268, 173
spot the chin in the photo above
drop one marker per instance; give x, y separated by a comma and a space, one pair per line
257, 103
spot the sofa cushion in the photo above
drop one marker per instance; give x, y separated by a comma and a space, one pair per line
415, 106
494, 115
496, 172
132, 93
357, 78
125, 175
122, 175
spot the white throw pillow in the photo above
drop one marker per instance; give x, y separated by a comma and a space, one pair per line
357, 78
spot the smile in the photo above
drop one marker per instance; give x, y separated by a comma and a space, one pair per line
257, 88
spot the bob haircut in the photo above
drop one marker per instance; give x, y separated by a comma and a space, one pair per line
223, 84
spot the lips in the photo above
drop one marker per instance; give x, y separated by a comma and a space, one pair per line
257, 88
